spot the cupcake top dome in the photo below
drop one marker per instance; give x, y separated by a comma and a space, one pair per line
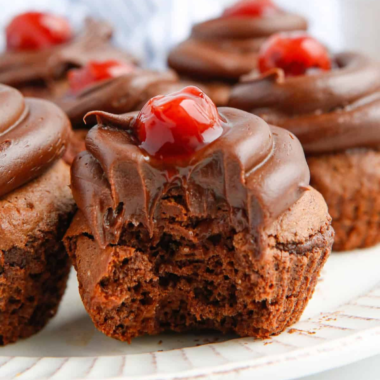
329, 110
213, 158
227, 47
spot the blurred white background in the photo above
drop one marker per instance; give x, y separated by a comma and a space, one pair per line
150, 27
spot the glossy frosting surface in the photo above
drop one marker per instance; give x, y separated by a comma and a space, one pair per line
118, 95
254, 170
227, 47
33, 135
328, 112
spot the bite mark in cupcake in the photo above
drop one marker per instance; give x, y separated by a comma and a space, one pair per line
202, 239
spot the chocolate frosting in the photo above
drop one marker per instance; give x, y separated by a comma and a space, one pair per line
328, 111
130, 93
18, 68
227, 47
255, 170
118, 95
33, 135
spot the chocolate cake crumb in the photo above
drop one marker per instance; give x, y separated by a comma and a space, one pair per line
200, 274
31, 285
34, 266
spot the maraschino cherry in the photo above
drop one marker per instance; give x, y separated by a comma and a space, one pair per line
36, 31
251, 8
295, 53
96, 71
179, 124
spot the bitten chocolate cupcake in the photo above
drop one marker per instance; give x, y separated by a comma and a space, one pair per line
332, 106
36, 207
225, 48
193, 217
41, 48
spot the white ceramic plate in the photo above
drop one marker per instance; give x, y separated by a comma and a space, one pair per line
340, 325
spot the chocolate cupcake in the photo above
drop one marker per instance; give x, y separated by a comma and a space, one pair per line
192, 217
36, 207
225, 48
42, 47
334, 111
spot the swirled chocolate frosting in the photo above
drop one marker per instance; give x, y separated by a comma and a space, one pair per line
18, 68
328, 111
129, 93
118, 95
254, 170
33, 135
227, 47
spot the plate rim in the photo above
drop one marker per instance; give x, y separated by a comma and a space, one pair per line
369, 339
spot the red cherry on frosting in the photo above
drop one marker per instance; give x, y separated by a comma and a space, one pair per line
36, 30
178, 124
295, 53
251, 8
96, 71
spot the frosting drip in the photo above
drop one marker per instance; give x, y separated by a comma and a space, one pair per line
33, 134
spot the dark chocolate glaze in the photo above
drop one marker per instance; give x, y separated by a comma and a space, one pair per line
328, 111
33, 135
18, 68
227, 47
255, 170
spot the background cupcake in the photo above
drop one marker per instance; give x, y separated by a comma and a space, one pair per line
41, 47
332, 105
36, 207
226, 47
